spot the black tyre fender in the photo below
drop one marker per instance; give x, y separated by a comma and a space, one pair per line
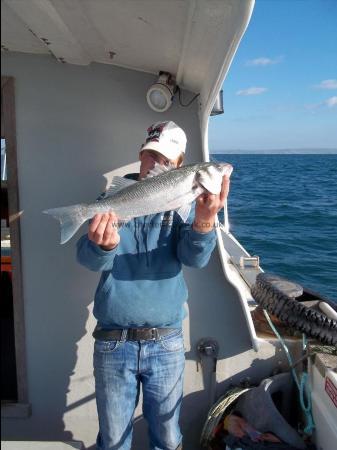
283, 298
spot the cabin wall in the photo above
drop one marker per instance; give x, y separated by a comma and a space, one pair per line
75, 123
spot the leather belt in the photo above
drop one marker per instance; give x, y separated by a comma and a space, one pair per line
133, 334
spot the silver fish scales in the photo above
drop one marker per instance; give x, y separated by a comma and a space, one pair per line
163, 190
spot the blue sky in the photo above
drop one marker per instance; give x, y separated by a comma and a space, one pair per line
281, 90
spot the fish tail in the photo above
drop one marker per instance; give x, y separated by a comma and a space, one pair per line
70, 218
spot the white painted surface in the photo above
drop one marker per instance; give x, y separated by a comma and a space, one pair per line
328, 310
324, 410
189, 38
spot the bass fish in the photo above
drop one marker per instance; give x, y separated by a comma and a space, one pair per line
164, 189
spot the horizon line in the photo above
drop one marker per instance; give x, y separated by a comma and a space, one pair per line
281, 150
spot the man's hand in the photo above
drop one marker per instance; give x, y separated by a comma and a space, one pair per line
103, 230
207, 206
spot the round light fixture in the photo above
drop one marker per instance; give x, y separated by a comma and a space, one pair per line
160, 95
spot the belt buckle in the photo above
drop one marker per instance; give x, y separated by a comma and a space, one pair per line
154, 333
139, 334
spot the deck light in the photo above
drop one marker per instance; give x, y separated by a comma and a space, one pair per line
160, 95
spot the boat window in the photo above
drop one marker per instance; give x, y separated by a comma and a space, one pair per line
8, 364
13, 360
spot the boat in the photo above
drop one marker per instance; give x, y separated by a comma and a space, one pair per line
76, 80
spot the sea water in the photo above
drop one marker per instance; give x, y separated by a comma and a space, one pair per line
283, 208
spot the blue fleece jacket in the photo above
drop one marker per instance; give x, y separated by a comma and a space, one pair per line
142, 283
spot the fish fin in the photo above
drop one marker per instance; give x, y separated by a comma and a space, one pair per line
116, 185
184, 211
159, 169
210, 179
70, 218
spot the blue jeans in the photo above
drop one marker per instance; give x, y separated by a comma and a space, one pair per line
119, 368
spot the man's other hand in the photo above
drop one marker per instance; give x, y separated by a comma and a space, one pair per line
208, 205
103, 231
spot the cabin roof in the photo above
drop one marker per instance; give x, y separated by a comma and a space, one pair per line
194, 40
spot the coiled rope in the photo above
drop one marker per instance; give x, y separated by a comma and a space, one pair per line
302, 384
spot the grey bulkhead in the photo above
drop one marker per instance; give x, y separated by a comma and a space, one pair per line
75, 123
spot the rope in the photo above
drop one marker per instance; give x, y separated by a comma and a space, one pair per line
216, 412
302, 385
285, 348
305, 389
218, 409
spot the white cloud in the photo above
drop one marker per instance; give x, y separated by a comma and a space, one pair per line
331, 102
263, 61
252, 91
327, 84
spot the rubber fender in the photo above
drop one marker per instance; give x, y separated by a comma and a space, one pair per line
282, 298
257, 407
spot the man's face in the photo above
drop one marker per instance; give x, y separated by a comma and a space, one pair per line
148, 158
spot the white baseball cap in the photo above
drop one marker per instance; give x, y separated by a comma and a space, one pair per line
166, 138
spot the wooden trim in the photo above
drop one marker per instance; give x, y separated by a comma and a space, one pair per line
4, 80
8, 125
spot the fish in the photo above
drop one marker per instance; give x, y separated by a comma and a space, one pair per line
163, 189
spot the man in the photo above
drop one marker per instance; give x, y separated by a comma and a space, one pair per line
139, 303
